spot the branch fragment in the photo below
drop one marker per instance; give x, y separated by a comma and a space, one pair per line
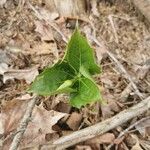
23, 124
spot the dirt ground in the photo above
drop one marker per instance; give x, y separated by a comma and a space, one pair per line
28, 45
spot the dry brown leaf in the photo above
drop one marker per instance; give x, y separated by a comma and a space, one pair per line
109, 109
28, 75
63, 107
46, 35
83, 147
100, 53
4, 57
106, 138
11, 113
41, 122
144, 127
137, 145
45, 48
47, 15
74, 120
2, 2
3, 68
44, 30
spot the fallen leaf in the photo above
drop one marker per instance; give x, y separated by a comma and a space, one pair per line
3, 68
83, 147
63, 107
44, 30
41, 122
4, 57
100, 53
106, 138
2, 2
46, 35
28, 75
74, 120
45, 48
137, 145
47, 15
144, 127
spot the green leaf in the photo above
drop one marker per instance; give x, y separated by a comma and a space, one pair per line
53, 80
87, 92
79, 53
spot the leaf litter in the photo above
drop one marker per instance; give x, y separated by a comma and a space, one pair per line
41, 122
30, 39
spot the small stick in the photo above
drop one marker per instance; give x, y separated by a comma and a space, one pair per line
113, 27
23, 124
129, 128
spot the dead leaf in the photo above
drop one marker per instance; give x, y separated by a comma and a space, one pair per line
2, 2
63, 107
3, 68
47, 15
4, 58
44, 30
83, 147
137, 145
144, 127
74, 120
106, 138
45, 48
100, 53
28, 75
11, 113
41, 122
111, 107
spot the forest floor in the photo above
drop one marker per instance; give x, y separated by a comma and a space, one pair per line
28, 45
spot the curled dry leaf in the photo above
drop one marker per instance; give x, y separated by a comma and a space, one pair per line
41, 122
74, 120
28, 75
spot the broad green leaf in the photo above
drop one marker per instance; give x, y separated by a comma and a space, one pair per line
85, 73
79, 53
53, 80
87, 92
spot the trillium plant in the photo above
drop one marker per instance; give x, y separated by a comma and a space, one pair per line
72, 74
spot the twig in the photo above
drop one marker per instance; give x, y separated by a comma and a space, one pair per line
129, 128
126, 92
99, 128
113, 27
23, 125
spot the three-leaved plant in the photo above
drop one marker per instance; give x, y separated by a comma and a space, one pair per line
72, 74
